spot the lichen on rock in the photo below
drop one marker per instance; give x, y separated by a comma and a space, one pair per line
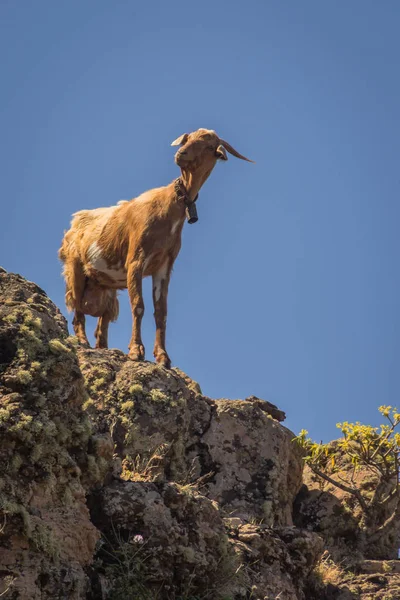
44, 451
122, 480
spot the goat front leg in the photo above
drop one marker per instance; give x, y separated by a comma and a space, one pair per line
160, 294
134, 277
75, 282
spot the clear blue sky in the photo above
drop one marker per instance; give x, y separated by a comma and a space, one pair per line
288, 287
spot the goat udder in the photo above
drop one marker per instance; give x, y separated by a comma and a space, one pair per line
95, 300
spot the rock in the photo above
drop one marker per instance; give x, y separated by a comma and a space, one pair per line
380, 566
174, 539
371, 587
47, 538
181, 537
276, 560
268, 408
120, 480
257, 467
234, 449
323, 512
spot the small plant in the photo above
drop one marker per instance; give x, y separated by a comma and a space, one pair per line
371, 449
58, 347
327, 571
97, 384
158, 396
127, 564
24, 377
128, 407
43, 539
11, 318
136, 389
125, 567
146, 469
88, 404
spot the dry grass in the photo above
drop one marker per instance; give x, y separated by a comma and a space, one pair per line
7, 582
328, 571
146, 469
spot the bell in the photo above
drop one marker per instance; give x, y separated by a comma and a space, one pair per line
191, 213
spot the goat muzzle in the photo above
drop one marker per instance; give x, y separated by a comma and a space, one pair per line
180, 158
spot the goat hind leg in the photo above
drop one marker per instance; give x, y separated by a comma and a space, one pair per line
75, 280
110, 314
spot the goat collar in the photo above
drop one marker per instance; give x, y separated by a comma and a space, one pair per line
181, 193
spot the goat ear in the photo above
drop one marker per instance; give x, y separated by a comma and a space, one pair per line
180, 140
220, 153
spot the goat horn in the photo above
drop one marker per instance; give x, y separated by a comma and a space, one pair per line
234, 152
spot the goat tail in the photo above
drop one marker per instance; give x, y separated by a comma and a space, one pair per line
62, 255
75, 280
113, 306
70, 296
70, 300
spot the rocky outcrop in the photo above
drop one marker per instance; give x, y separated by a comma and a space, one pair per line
47, 539
103, 458
178, 534
121, 480
183, 543
244, 458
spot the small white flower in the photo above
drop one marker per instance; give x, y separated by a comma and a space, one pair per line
138, 539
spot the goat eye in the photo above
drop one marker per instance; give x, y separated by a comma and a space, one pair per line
210, 148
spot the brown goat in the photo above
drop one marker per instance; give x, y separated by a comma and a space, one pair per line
107, 249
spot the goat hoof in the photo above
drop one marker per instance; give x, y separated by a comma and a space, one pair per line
163, 360
136, 352
101, 345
